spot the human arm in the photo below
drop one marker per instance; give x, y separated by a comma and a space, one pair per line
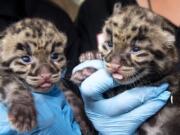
124, 113
54, 116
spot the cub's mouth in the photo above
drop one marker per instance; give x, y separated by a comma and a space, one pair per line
43, 85
125, 75
46, 85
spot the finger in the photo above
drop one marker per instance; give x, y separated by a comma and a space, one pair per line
145, 93
127, 101
96, 84
145, 111
97, 64
129, 122
3, 110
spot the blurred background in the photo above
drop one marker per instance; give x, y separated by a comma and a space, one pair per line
70, 6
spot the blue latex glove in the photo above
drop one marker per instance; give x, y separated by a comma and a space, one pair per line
124, 113
54, 116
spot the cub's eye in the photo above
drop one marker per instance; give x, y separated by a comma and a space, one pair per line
136, 49
54, 56
26, 59
110, 44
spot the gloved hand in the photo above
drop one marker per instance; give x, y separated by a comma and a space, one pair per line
124, 113
54, 116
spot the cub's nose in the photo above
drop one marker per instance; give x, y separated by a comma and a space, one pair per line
44, 72
114, 59
45, 76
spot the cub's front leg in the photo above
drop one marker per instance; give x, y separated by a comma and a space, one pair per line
79, 76
19, 101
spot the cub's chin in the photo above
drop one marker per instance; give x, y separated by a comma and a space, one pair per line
130, 79
43, 87
124, 80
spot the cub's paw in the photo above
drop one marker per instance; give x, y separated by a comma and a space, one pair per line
90, 55
22, 116
79, 76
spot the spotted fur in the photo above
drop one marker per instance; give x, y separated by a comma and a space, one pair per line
31, 59
139, 49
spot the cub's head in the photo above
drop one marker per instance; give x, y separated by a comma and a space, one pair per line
33, 50
139, 44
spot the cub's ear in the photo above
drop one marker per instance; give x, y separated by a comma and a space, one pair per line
63, 39
1, 36
1, 50
117, 8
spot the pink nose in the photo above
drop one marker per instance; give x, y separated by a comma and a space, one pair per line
45, 75
44, 72
116, 60
115, 67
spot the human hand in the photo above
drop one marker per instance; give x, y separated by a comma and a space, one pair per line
45, 118
124, 113
54, 116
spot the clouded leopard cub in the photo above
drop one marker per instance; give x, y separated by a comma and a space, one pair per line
31, 59
139, 49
